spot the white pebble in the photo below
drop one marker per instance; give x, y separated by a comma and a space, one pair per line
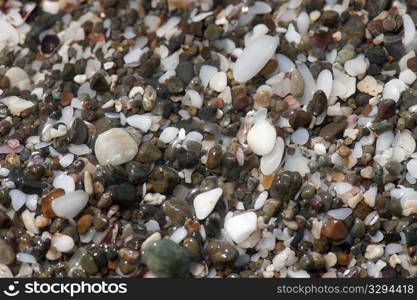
407, 76
340, 213
218, 82
206, 73
142, 122
270, 162
115, 147
178, 235
320, 149
356, 66
254, 57
241, 226
70, 205
261, 137
325, 82
64, 182
412, 167
205, 202
393, 89
300, 136
62, 242
18, 199
168, 134
342, 187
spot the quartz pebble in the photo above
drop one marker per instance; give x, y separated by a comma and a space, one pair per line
69, 205
270, 162
261, 138
254, 57
205, 202
241, 226
115, 147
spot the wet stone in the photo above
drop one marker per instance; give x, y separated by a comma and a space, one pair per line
334, 230
148, 152
386, 109
78, 132
7, 254
166, 259
124, 194
222, 253
300, 118
177, 210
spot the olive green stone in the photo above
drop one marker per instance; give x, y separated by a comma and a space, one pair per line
286, 185
308, 191
165, 258
89, 265
163, 179
222, 252
358, 228
396, 207
410, 236
148, 152
177, 210
193, 248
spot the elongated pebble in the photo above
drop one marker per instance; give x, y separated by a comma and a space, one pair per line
254, 57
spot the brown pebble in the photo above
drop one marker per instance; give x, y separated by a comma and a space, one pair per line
300, 118
330, 131
241, 101
84, 223
344, 151
334, 230
412, 64
214, 157
386, 109
342, 258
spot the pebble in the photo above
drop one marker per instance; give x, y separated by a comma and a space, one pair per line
300, 118
270, 162
115, 147
297, 84
374, 252
148, 153
218, 82
16, 105
142, 122
222, 253
205, 202
7, 255
386, 108
330, 131
261, 138
165, 258
370, 86
70, 204
241, 226
254, 57
334, 230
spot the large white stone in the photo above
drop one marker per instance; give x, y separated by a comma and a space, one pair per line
115, 147
254, 57
70, 205
205, 202
241, 226
16, 105
261, 137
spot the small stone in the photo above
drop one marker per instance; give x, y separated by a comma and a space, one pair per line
222, 253
88, 264
7, 254
99, 83
177, 210
269, 68
163, 179
329, 18
412, 63
374, 252
78, 132
212, 32
297, 84
386, 108
330, 131
84, 223
186, 159
261, 137
370, 86
165, 258
241, 226
241, 101
410, 236
334, 230
300, 118
124, 194
115, 147
214, 157
148, 153
193, 248
205, 202
318, 104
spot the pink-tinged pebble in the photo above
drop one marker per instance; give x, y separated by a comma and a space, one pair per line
13, 143
7, 149
292, 102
